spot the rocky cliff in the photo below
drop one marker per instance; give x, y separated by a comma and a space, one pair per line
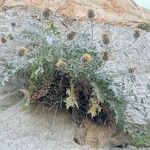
36, 129
112, 11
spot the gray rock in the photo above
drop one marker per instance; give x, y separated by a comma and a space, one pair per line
21, 130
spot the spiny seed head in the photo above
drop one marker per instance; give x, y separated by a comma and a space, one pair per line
10, 36
3, 40
86, 58
90, 14
136, 34
71, 35
13, 24
46, 13
105, 38
131, 69
61, 64
106, 56
4, 8
22, 51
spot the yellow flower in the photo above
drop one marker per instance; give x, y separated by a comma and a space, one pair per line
61, 64
86, 58
22, 51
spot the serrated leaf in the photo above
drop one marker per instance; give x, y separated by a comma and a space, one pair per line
39, 70
97, 91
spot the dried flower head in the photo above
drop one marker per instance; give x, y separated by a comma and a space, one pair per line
3, 40
10, 36
46, 13
106, 56
131, 69
105, 38
22, 51
86, 58
61, 64
71, 35
13, 24
4, 8
136, 34
90, 13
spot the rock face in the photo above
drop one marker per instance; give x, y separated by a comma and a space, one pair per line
20, 130
29, 130
123, 56
37, 129
112, 11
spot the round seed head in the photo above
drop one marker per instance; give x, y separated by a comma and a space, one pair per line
61, 64
86, 58
90, 14
3, 40
22, 51
136, 34
71, 35
13, 24
106, 56
131, 69
46, 13
105, 39
10, 36
4, 8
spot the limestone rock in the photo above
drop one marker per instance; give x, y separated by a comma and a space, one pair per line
114, 11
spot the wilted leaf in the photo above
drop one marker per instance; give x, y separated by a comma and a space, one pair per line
41, 91
25, 107
26, 94
27, 98
95, 108
71, 100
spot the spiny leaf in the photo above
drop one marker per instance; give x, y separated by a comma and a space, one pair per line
97, 91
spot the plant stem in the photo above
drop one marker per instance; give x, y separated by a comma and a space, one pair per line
92, 32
